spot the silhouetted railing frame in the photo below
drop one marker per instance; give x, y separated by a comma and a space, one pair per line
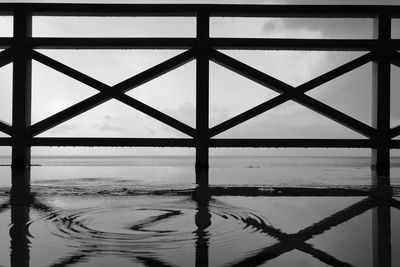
19, 49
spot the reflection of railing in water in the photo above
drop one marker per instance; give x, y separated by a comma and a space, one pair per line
382, 51
378, 199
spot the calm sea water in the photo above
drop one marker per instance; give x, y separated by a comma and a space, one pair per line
143, 211
179, 171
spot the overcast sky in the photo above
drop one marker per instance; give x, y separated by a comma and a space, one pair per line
174, 93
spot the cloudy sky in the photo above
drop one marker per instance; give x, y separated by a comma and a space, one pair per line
174, 92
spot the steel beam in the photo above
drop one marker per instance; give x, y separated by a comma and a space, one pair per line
380, 158
111, 43
22, 70
112, 142
343, 143
202, 90
293, 94
117, 91
306, 11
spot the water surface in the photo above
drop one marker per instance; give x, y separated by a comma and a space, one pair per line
258, 211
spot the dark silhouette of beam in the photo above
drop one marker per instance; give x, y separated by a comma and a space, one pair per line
5, 141
112, 142
299, 97
288, 242
69, 260
218, 43
293, 44
381, 236
305, 87
297, 240
202, 89
380, 117
6, 57
202, 196
116, 91
5, 127
394, 144
111, 43
395, 58
243, 142
153, 262
21, 84
305, 11
20, 202
394, 132
139, 226
5, 42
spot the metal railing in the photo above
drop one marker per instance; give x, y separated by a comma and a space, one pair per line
20, 49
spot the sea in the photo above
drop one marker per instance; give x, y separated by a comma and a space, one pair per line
243, 211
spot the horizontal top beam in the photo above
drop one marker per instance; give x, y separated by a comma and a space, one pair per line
339, 11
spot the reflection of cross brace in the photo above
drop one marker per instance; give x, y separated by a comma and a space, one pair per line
288, 242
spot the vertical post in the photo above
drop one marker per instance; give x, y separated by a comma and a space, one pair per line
21, 109
381, 240
202, 89
380, 158
202, 218
381, 221
20, 207
203, 221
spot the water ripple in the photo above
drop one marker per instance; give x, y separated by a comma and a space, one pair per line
145, 227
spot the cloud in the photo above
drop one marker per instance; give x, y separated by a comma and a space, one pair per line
185, 113
108, 117
64, 129
288, 28
356, 28
106, 127
218, 114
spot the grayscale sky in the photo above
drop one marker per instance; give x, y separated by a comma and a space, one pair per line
174, 93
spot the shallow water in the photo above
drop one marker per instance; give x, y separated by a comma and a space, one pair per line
119, 218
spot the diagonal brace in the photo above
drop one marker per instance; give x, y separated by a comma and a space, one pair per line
117, 91
6, 57
288, 92
395, 58
394, 132
274, 102
5, 128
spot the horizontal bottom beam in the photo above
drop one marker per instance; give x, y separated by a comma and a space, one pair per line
175, 142
112, 142
5, 141
345, 143
395, 144
218, 43
187, 142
